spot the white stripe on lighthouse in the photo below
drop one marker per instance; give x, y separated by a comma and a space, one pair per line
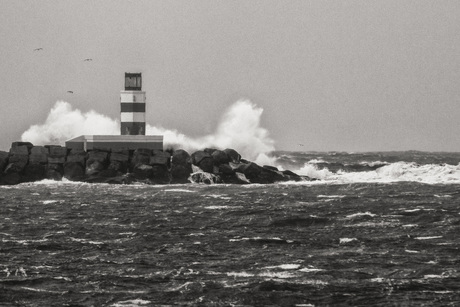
136, 117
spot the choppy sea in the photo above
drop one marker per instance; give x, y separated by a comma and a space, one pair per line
374, 229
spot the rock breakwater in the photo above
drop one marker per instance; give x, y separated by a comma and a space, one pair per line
27, 163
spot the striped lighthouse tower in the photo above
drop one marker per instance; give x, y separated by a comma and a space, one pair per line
132, 106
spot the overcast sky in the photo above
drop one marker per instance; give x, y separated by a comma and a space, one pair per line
331, 75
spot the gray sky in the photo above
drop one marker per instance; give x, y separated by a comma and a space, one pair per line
331, 75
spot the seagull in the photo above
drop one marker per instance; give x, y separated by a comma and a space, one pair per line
70, 92
87, 60
38, 49
300, 144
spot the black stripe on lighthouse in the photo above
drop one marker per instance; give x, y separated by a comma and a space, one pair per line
132, 107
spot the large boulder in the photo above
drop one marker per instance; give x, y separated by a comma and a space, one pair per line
141, 156
220, 157
203, 160
97, 161
119, 160
233, 155
161, 158
74, 171
160, 162
34, 172
57, 154
39, 154
3, 160
29, 145
181, 166
78, 156
143, 171
54, 171
10, 179
18, 158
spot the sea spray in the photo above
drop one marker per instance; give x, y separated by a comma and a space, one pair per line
64, 122
239, 129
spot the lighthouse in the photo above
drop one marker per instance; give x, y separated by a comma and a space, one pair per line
132, 102
132, 128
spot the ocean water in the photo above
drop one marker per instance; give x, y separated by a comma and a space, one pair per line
372, 229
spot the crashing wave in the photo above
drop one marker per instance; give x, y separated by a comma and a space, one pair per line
393, 172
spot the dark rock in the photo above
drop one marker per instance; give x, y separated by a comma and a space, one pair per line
180, 156
161, 158
109, 173
29, 145
74, 171
268, 175
22, 150
233, 155
209, 150
15, 167
119, 156
38, 154
293, 176
97, 161
250, 170
77, 155
203, 160
118, 166
93, 167
24, 159
57, 151
160, 174
143, 171
34, 172
181, 166
226, 169
10, 179
220, 157
3, 160
273, 168
141, 156
54, 171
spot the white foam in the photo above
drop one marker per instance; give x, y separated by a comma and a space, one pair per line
131, 303
428, 238
47, 202
310, 269
179, 190
394, 172
347, 240
288, 266
367, 213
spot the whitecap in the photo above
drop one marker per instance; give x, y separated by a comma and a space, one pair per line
281, 275
288, 266
217, 207
179, 190
428, 238
310, 269
47, 202
360, 214
347, 240
131, 303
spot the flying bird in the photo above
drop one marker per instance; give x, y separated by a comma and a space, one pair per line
70, 92
38, 49
87, 60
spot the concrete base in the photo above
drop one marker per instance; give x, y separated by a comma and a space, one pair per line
115, 142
